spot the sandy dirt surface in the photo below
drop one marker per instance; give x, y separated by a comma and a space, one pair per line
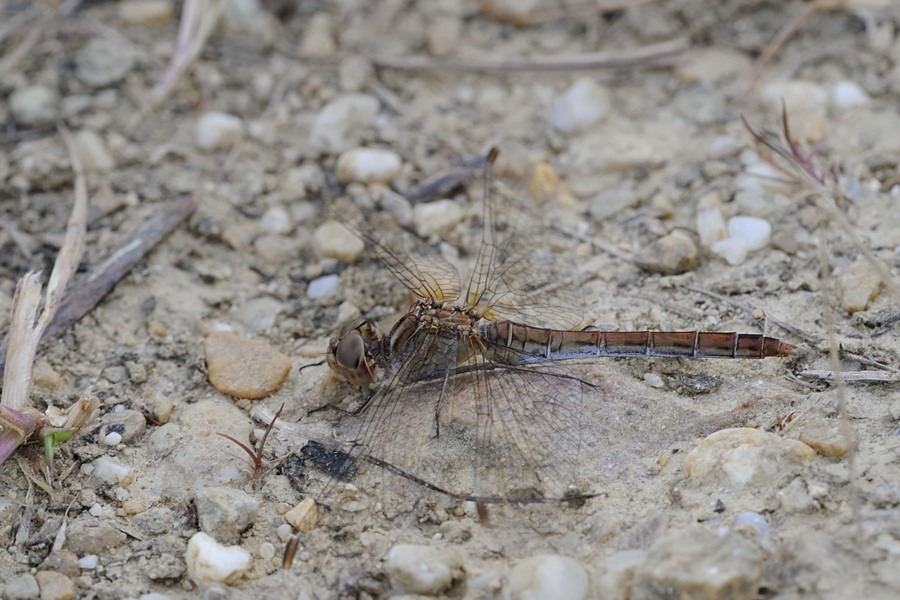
710, 479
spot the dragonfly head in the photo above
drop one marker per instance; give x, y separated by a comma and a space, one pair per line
351, 354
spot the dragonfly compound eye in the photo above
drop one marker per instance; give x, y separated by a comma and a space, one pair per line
350, 352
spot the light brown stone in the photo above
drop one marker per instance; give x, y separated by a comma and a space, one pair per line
244, 368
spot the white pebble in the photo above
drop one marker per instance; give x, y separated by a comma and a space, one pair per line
145, 12
218, 131
582, 105
733, 250
653, 380
547, 577
110, 471
752, 520
89, 561
416, 569
343, 122
275, 220
33, 105
847, 94
368, 165
209, 561
797, 95
113, 438
92, 152
432, 217
324, 286
333, 240
710, 222
755, 232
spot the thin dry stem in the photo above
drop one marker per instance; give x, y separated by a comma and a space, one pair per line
34, 35
872, 376
653, 54
198, 20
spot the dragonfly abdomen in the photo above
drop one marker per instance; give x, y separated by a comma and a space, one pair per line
554, 344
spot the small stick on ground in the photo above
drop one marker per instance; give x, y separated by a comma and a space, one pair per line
651, 55
864, 376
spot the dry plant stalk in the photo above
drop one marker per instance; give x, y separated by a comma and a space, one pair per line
18, 421
198, 20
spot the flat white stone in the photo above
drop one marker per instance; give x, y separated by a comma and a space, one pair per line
417, 569
333, 240
710, 225
342, 123
113, 438
110, 471
546, 577
433, 217
368, 165
848, 94
218, 131
582, 105
209, 561
324, 286
755, 232
733, 251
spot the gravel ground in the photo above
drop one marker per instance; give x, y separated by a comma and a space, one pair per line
711, 479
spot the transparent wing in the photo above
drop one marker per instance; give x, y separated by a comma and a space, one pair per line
522, 273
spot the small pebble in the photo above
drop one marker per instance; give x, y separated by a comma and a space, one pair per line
826, 437
318, 41
104, 61
584, 104
742, 456
848, 94
217, 131
244, 368
443, 34
33, 105
210, 562
368, 165
276, 220
417, 569
21, 587
304, 516
128, 423
55, 586
342, 123
753, 521
89, 561
671, 254
612, 201
92, 152
161, 407
797, 95
145, 12
110, 471
63, 561
225, 513
859, 284
754, 231
89, 537
113, 438
516, 12
433, 217
323, 287
547, 577
733, 251
698, 563
333, 240
618, 572
298, 180
653, 380
710, 222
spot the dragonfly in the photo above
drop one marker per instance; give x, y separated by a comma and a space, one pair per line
471, 389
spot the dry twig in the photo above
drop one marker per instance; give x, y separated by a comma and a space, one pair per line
652, 55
